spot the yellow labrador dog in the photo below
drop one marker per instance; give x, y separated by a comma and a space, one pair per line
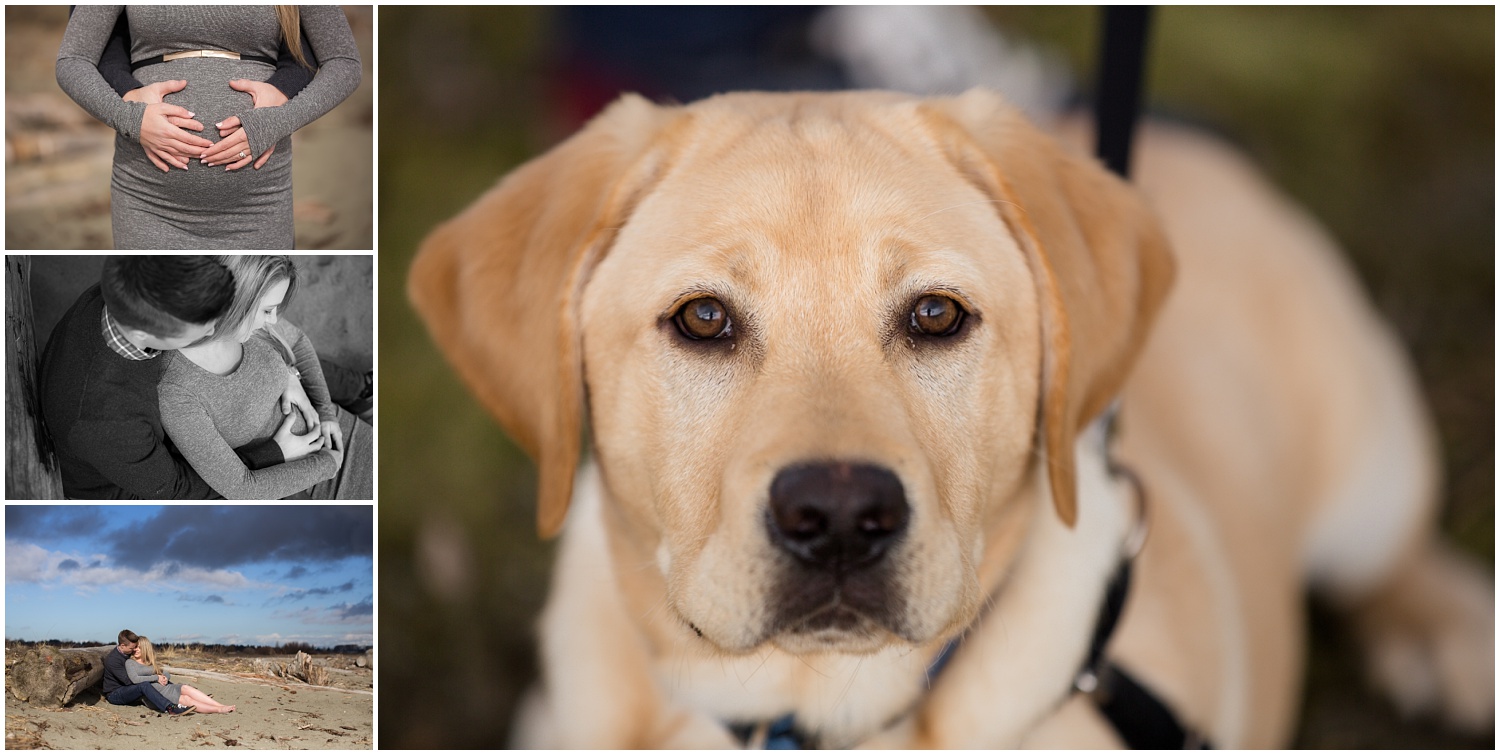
843, 359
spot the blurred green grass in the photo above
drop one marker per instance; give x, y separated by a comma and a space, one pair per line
1379, 120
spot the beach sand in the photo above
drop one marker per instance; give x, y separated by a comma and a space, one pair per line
270, 714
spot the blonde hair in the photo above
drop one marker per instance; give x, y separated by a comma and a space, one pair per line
253, 274
290, 18
148, 655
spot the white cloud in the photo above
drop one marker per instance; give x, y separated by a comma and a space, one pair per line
25, 562
30, 563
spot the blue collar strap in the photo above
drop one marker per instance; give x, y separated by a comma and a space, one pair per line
781, 734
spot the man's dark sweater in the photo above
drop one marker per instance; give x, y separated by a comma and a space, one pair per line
290, 77
114, 671
102, 412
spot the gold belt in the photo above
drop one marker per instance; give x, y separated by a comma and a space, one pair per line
200, 54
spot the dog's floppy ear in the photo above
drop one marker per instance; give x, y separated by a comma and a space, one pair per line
498, 284
1100, 260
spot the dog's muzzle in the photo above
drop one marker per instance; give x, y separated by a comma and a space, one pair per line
838, 521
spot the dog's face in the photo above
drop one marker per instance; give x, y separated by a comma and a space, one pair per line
811, 360
822, 341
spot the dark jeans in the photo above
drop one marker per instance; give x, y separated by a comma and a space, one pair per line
344, 384
128, 695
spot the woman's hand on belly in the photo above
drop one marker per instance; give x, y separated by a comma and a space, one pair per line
293, 446
164, 128
262, 94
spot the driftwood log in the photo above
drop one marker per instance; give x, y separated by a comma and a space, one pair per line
302, 668
180, 674
31, 469
54, 677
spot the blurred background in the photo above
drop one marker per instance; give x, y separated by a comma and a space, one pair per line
58, 158
1378, 120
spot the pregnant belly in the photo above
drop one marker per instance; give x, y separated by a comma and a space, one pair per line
208, 96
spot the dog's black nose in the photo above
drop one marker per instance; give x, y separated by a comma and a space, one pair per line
838, 516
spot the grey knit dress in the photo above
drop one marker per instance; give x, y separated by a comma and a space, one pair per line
205, 207
140, 673
208, 416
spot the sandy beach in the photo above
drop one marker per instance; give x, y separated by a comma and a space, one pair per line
270, 714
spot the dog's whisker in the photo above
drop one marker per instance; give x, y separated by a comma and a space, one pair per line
810, 667
858, 664
660, 604
758, 666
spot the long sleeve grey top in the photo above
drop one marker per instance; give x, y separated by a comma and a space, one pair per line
328, 32
207, 415
78, 74
114, 64
296, 349
325, 27
140, 673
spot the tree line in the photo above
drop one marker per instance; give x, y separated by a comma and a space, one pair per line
287, 648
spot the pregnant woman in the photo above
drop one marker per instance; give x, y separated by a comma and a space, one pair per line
218, 395
144, 667
213, 204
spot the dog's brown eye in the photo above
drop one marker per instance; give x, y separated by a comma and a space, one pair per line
702, 319
936, 315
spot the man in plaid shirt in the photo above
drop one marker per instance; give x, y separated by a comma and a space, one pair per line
100, 369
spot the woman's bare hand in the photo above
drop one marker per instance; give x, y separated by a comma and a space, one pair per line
234, 148
261, 95
334, 433
294, 398
294, 447
164, 127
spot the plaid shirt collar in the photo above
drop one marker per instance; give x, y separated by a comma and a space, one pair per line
117, 341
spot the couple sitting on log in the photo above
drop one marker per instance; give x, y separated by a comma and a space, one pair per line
131, 672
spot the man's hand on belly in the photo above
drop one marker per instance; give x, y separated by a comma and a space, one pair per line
162, 128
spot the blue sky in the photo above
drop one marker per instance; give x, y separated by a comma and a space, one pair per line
253, 575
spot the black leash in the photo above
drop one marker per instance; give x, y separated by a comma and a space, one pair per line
1122, 59
1141, 719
